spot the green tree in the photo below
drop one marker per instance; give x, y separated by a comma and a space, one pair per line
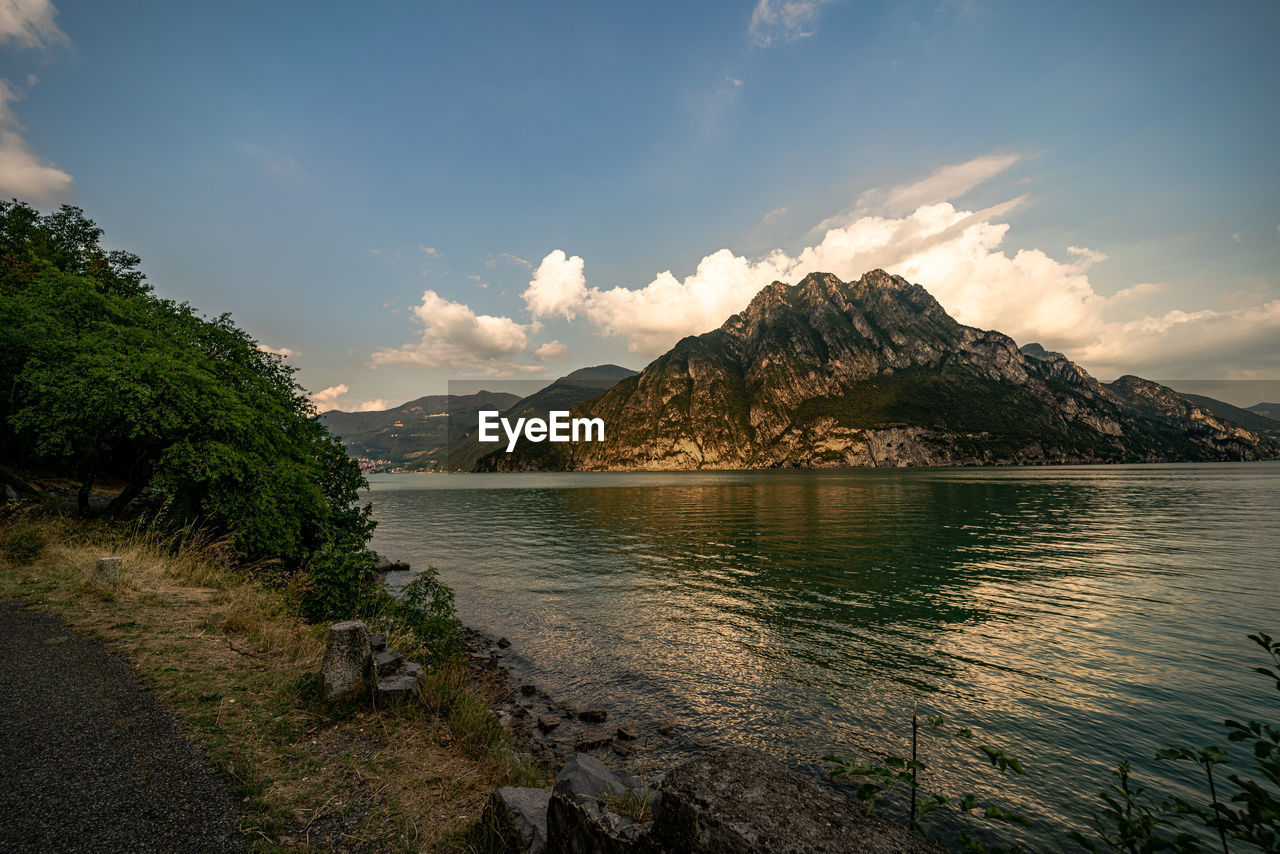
104, 378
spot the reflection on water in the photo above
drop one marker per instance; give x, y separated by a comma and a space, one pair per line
1074, 616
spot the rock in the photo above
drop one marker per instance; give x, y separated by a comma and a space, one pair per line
546, 723
398, 685
413, 669
387, 661
581, 824
666, 728
383, 565
107, 571
593, 742
378, 642
528, 690
347, 659
626, 733
739, 801
517, 816
578, 823
593, 716
587, 775
503, 643
622, 748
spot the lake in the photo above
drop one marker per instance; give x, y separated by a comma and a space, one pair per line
1073, 616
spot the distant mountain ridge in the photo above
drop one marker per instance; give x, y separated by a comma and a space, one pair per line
576, 387
875, 373
1250, 419
413, 435
437, 432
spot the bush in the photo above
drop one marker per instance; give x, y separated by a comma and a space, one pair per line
426, 606
340, 584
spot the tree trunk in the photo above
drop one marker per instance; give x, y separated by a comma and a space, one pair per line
130, 492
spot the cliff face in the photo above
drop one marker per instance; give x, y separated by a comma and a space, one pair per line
866, 373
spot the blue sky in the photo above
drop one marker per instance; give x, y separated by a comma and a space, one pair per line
404, 194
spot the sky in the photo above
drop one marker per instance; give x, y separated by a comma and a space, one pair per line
397, 195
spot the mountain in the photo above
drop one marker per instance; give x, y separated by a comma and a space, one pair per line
1266, 410
413, 435
581, 385
1250, 419
875, 373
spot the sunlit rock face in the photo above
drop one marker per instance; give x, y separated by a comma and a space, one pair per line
874, 372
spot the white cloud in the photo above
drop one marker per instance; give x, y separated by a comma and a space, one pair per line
453, 335
327, 398
375, 405
944, 184
557, 287
1087, 257
551, 351
773, 216
733, 81
279, 351
1236, 237
774, 21
23, 173
516, 259
429, 250
958, 256
1143, 289
29, 23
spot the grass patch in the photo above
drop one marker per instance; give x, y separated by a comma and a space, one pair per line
232, 657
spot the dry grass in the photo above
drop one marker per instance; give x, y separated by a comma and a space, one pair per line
238, 666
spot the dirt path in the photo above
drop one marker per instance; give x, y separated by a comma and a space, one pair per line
90, 762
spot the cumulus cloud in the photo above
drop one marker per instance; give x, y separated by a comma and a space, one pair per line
558, 286
327, 398
551, 351
279, 351
959, 256
376, 405
453, 335
23, 173
774, 21
29, 23
1086, 257
1142, 289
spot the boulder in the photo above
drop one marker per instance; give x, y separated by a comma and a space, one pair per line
106, 571
347, 659
387, 661
739, 800
398, 685
579, 823
593, 716
587, 775
546, 723
516, 820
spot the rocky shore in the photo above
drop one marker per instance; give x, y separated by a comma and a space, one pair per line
626, 786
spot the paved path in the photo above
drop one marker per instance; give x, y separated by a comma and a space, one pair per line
89, 761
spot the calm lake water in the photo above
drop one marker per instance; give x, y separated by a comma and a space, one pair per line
1075, 616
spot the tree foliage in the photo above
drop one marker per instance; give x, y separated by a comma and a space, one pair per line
103, 378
